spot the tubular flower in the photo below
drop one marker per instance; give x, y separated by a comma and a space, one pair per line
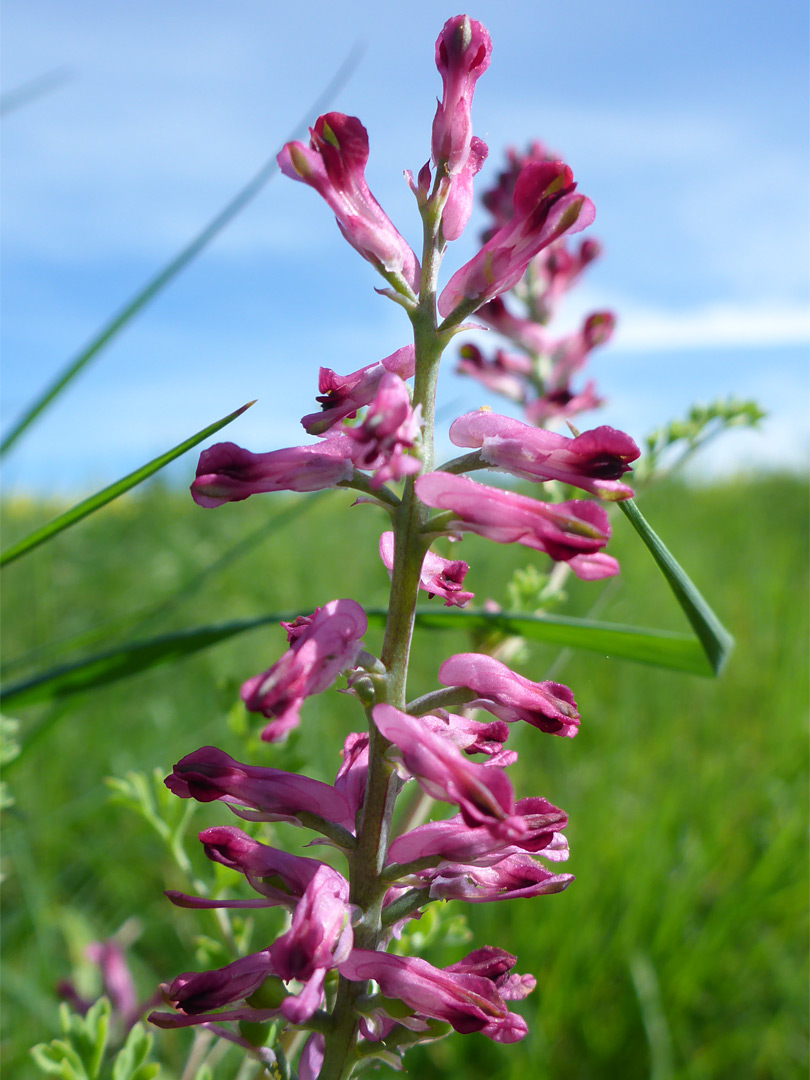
271, 794
327, 645
334, 165
563, 530
466, 1001
438, 576
389, 428
514, 877
593, 461
227, 473
546, 206
342, 395
462, 56
506, 373
482, 793
549, 706
451, 840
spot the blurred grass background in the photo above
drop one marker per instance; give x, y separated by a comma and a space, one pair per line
681, 949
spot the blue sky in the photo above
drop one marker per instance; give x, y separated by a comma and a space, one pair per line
685, 123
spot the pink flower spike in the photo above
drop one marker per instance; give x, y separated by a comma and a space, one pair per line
462, 56
546, 207
482, 793
342, 395
593, 461
327, 645
438, 576
389, 428
273, 795
467, 1002
227, 473
563, 530
334, 165
549, 706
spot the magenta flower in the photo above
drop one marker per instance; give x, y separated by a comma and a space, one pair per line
342, 395
334, 165
563, 530
557, 268
319, 938
496, 965
227, 473
467, 1002
562, 403
389, 428
506, 373
514, 877
526, 333
593, 461
482, 793
462, 56
458, 206
327, 645
569, 354
546, 206
351, 776
499, 199
196, 992
270, 794
549, 706
594, 567
438, 576
451, 840
471, 736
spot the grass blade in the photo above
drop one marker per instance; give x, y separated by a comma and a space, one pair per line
679, 652
172, 268
107, 494
716, 641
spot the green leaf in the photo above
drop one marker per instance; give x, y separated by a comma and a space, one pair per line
107, 494
716, 641
155, 284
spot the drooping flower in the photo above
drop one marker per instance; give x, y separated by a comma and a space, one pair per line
334, 165
563, 530
549, 706
389, 428
227, 473
271, 794
546, 207
438, 576
327, 645
482, 793
593, 461
466, 1001
341, 396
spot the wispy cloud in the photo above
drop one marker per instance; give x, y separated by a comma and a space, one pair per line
716, 326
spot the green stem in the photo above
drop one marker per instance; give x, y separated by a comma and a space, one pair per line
367, 860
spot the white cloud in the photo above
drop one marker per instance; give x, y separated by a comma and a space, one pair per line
716, 326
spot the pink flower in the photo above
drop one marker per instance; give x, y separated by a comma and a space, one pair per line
471, 736
482, 793
438, 576
513, 877
389, 428
557, 269
549, 706
462, 56
546, 207
326, 646
342, 395
334, 164
496, 965
563, 530
467, 1002
272, 795
458, 206
569, 354
509, 374
499, 199
196, 992
562, 404
227, 473
353, 772
593, 461
452, 840
319, 938
526, 333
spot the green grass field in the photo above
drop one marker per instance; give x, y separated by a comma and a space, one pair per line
681, 949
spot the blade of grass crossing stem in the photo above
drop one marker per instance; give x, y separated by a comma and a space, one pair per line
178, 263
101, 498
679, 652
716, 641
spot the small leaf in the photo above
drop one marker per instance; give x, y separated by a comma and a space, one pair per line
107, 494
